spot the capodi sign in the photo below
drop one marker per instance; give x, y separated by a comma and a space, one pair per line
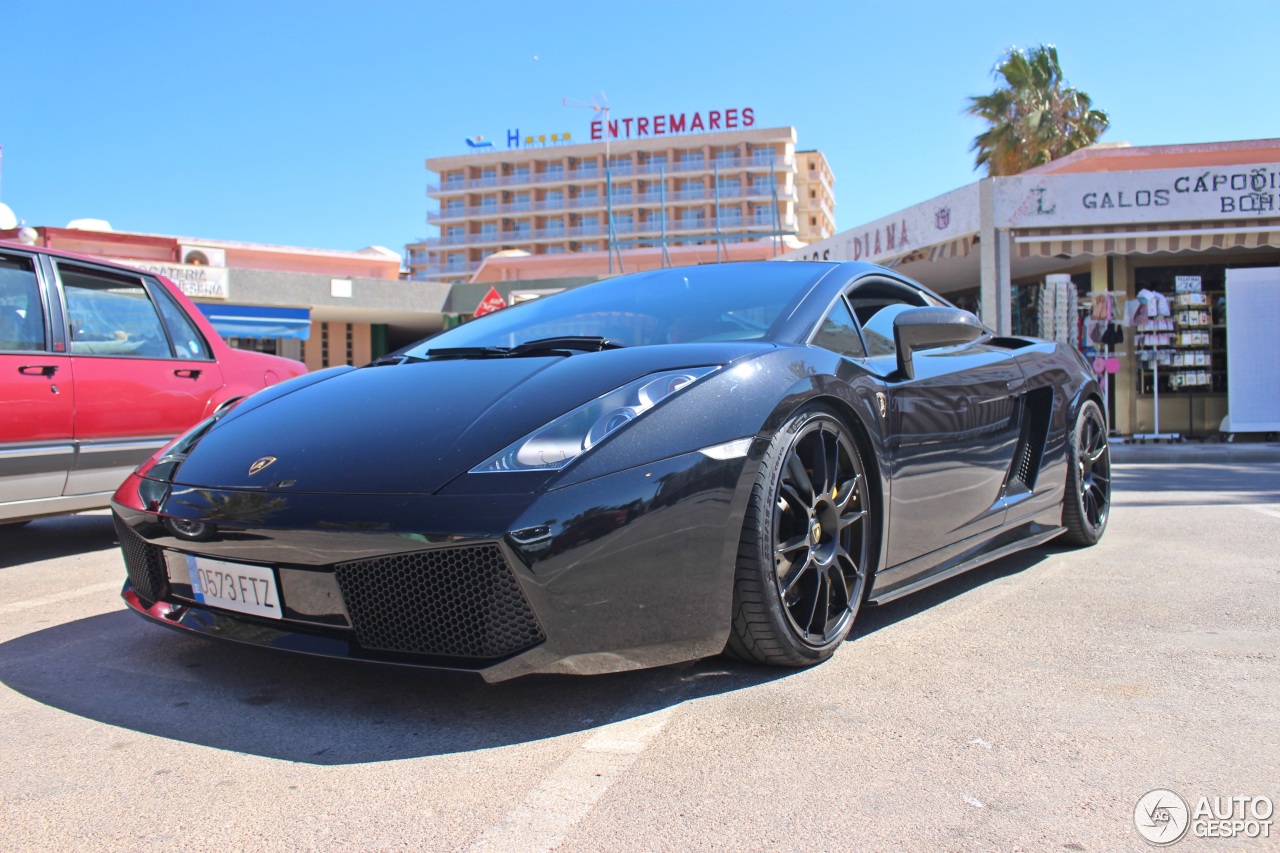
1164, 195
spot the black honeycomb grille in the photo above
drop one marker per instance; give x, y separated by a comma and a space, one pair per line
451, 602
144, 563
1038, 406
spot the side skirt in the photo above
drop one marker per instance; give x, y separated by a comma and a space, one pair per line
1020, 538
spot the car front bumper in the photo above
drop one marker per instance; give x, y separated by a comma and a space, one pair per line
625, 571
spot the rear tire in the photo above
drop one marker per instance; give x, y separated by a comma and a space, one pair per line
804, 553
1086, 506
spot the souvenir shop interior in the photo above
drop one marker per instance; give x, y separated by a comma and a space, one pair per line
1158, 344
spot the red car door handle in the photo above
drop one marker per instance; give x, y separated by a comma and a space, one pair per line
38, 369
187, 373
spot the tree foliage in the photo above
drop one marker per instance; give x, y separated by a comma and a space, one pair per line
1034, 116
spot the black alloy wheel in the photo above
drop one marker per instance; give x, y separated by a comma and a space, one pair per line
805, 549
1086, 506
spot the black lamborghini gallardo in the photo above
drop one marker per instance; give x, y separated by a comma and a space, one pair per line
657, 467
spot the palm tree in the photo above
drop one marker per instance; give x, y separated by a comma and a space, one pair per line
1035, 116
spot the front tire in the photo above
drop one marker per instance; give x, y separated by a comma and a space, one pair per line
1086, 506
805, 549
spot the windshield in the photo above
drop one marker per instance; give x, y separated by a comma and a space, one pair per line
724, 302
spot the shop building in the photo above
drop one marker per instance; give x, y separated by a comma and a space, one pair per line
320, 306
1120, 221
701, 178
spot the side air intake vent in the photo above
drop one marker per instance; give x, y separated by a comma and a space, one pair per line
1037, 407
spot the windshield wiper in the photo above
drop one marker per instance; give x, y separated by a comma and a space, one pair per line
394, 358
575, 343
566, 345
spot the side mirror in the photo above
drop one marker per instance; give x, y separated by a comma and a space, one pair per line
929, 328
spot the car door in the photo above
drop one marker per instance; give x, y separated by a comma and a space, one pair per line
952, 430
37, 394
143, 373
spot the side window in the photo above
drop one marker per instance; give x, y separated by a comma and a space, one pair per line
875, 304
187, 340
111, 315
21, 312
839, 332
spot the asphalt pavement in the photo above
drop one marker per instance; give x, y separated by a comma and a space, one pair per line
1026, 705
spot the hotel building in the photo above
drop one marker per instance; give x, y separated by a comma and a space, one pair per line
721, 187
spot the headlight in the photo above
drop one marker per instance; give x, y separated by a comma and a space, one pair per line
560, 442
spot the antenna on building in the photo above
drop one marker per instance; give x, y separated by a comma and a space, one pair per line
600, 104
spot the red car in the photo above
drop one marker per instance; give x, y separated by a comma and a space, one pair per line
100, 366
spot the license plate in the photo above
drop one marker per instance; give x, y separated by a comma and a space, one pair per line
234, 586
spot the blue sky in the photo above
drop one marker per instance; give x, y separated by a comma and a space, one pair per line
308, 123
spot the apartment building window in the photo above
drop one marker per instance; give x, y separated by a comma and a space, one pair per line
587, 168
724, 155
813, 220
455, 205
728, 186
520, 173
589, 195
762, 156
489, 201
762, 185
555, 250
656, 162
454, 179
620, 164
555, 171
488, 176
489, 231
455, 234
589, 225
555, 226
691, 158
521, 231
729, 214
521, 201
690, 188
623, 223
762, 215
692, 216
622, 193
456, 261
554, 200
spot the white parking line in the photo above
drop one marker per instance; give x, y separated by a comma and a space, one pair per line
566, 795
1264, 509
54, 598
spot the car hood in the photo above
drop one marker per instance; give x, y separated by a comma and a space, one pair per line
412, 428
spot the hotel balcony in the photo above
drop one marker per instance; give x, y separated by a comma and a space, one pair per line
622, 170
620, 200
528, 236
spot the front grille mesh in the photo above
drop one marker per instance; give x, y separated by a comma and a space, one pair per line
144, 564
452, 602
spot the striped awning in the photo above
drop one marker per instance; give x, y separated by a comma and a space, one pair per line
1146, 239
958, 248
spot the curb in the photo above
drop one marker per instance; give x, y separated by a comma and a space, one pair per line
1194, 453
